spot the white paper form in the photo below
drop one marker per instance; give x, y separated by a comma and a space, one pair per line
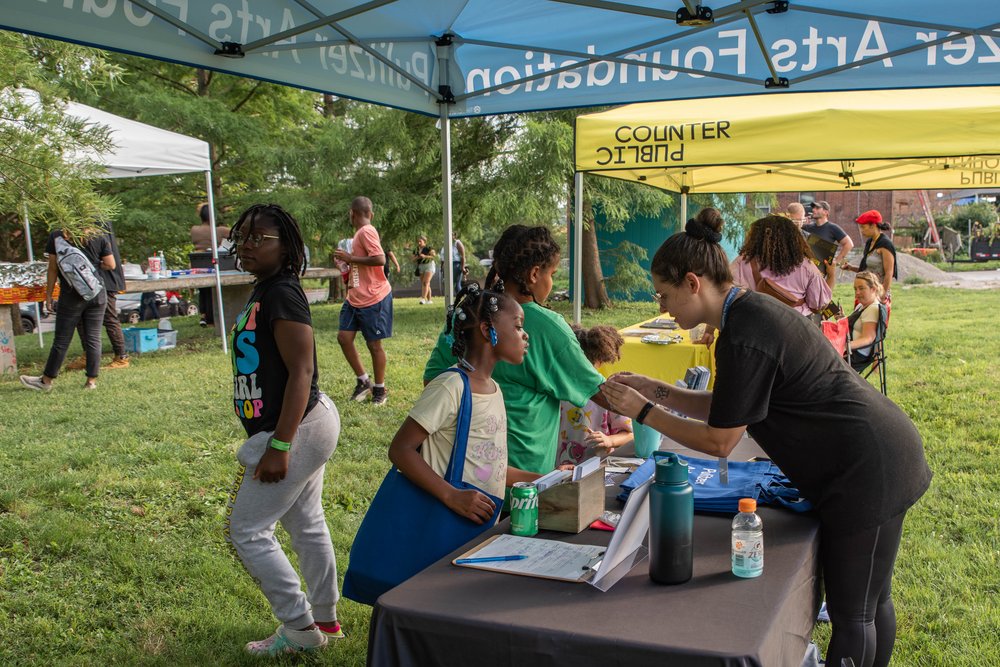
545, 558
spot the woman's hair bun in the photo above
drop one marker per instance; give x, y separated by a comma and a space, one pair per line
706, 226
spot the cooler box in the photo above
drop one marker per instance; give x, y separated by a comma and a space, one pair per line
166, 339
203, 260
139, 340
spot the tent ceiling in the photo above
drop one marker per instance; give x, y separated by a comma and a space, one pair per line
519, 55
860, 140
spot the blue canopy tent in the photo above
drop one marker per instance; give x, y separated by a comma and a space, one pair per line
455, 58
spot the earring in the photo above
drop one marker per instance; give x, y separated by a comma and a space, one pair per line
493, 337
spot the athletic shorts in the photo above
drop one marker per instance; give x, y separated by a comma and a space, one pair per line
374, 322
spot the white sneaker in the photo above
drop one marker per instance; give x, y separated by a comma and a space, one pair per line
35, 382
285, 640
422, 302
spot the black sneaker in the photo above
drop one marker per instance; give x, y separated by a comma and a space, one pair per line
380, 395
361, 390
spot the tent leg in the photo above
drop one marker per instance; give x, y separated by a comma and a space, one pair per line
220, 312
684, 209
449, 239
577, 246
31, 258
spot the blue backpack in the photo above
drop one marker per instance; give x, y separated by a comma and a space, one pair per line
77, 270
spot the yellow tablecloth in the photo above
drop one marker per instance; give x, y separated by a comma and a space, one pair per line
663, 362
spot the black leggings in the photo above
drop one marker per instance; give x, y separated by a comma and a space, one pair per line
857, 576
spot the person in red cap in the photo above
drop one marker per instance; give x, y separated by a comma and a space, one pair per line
879, 254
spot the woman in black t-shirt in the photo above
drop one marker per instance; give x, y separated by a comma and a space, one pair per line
848, 449
292, 431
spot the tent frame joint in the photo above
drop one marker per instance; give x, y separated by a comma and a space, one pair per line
778, 7
230, 50
447, 97
701, 16
771, 82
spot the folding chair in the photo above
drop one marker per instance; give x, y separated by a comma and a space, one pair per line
874, 360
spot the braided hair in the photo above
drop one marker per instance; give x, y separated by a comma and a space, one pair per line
777, 244
288, 230
518, 250
472, 307
695, 250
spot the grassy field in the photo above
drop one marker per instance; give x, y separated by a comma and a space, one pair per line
111, 501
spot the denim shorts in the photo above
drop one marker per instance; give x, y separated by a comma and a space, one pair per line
374, 322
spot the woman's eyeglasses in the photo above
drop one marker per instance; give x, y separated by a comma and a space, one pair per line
251, 240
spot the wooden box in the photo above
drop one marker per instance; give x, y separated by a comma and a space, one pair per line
572, 506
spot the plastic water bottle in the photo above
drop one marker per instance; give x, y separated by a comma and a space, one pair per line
748, 541
671, 522
164, 271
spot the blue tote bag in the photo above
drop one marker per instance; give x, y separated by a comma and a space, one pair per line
406, 529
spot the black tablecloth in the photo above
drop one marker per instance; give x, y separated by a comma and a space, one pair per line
449, 615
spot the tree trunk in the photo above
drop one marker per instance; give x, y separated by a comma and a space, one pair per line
204, 78
594, 293
335, 290
15, 318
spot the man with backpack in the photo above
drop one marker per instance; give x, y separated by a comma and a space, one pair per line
114, 282
82, 298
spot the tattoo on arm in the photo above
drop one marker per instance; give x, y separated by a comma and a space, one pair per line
661, 394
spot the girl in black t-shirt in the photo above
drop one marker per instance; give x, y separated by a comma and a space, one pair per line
847, 448
293, 431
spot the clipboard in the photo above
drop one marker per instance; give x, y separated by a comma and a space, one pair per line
601, 567
547, 559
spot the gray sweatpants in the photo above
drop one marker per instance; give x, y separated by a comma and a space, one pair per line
296, 501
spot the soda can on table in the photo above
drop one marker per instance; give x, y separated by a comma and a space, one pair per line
524, 509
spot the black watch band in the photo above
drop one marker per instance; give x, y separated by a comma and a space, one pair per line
645, 411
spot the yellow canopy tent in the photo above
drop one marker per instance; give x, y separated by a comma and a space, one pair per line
858, 140
908, 139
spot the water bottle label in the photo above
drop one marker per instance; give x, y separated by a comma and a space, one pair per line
748, 551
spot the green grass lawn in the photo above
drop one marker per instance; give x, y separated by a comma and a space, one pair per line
111, 502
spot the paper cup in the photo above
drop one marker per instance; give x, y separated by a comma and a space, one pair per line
647, 440
153, 267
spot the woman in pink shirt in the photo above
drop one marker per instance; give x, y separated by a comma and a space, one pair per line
776, 248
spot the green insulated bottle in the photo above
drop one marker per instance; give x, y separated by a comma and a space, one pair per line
671, 522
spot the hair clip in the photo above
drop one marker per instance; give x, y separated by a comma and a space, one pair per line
493, 304
460, 314
493, 337
498, 285
472, 287
466, 365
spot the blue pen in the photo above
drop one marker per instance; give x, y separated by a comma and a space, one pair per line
488, 559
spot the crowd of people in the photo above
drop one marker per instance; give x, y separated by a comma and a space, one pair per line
539, 402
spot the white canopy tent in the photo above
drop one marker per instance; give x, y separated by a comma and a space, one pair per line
143, 150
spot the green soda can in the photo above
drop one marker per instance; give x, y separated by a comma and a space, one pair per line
524, 509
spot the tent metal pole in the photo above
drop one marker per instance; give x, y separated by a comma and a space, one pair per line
449, 241
443, 51
684, 209
220, 313
577, 246
31, 258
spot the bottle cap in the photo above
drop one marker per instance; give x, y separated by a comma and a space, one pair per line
748, 505
670, 469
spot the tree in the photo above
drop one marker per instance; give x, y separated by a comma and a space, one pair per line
47, 160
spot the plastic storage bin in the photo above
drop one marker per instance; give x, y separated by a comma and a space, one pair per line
166, 339
139, 340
